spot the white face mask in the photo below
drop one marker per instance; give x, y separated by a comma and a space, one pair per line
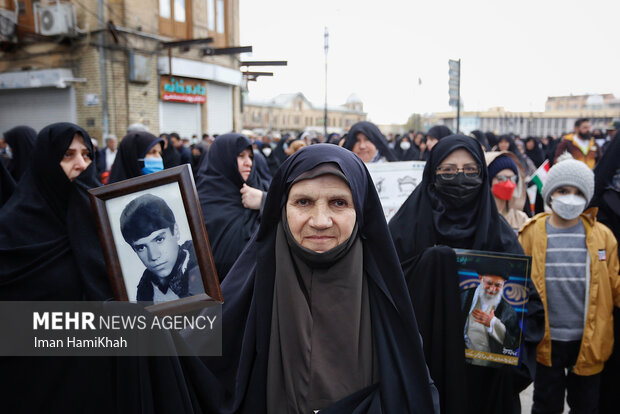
405, 145
266, 151
568, 207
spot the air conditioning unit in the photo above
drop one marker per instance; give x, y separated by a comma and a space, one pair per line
55, 19
8, 24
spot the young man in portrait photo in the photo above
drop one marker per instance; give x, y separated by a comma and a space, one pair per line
491, 323
148, 225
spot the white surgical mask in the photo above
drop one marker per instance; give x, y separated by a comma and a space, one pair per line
266, 151
568, 207
405, 145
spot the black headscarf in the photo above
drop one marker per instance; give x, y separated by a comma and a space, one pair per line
263, 167
229, 224
439, 132
278, 152
413, 153
49, 249
491, 138
424, 220
536, 154
404, 385
481, 138
133, 147
7, 184
21, 139
373, 134
170, 155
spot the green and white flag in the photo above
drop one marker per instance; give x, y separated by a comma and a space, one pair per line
540, 175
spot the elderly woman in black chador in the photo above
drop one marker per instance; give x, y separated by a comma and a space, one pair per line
316, 311
139, 153
368, 143
453, 206
230, 190
21, 139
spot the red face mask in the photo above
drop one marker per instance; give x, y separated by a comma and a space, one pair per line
504, 189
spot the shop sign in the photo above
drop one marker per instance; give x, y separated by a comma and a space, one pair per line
177, 89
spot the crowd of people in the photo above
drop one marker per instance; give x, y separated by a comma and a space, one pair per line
328, 307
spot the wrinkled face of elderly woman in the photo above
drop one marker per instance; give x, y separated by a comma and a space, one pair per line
76, 159
320, 212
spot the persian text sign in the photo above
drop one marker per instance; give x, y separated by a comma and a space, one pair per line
394, 182
177, 89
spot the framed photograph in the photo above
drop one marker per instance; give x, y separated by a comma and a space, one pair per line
494, 297
155, 243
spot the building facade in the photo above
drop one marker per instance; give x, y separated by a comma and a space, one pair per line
558, 118
293, 112
107, 65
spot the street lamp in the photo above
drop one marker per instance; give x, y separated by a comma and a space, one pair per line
326, 37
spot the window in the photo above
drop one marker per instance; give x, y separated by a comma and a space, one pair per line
211, 15
175, 18
217, 12
220, 16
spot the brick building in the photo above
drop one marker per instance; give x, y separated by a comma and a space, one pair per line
106, 64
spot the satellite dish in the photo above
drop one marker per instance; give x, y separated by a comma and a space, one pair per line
47, 19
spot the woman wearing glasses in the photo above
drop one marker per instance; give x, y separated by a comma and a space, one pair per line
507, 186
453, 207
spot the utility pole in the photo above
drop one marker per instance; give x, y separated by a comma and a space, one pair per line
455, 89
458, 107
105, 126
326, 37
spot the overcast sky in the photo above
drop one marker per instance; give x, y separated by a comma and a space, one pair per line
514, 54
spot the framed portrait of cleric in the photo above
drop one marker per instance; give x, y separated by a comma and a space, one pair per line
155, 243
494, 298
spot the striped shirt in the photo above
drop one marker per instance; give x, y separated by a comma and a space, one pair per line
565, 280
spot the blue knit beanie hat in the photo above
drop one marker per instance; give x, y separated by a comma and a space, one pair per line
502, 162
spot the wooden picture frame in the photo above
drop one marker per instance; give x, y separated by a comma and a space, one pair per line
175, 187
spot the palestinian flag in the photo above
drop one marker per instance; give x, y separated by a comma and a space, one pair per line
540, 175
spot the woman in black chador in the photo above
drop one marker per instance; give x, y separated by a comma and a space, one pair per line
21, 139
49, 251
230, 190
453, 208
368, 143
139, 153
316, 313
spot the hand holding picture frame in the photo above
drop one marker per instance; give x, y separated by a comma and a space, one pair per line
155, 243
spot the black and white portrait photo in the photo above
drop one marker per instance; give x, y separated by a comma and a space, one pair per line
154, 245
